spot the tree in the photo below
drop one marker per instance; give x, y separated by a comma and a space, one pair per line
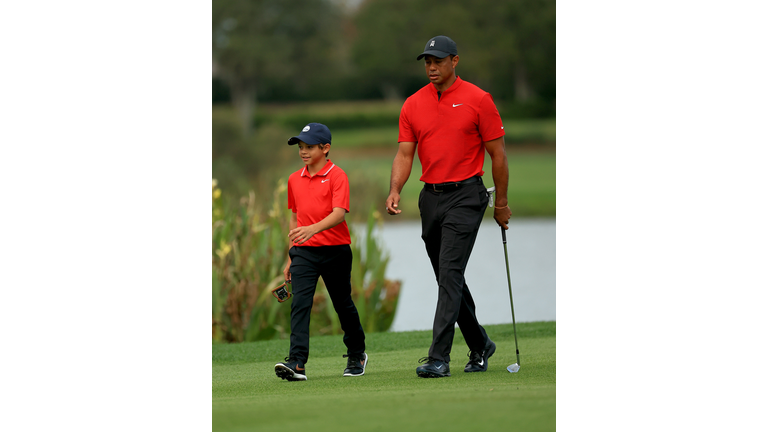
388, 33
256, 42
506, 47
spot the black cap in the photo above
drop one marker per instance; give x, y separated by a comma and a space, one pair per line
313, 133
439, 46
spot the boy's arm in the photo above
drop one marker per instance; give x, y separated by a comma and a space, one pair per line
291, 226
302, 234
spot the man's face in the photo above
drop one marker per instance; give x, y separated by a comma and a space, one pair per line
440, 70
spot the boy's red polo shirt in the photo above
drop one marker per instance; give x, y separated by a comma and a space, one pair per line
313, 198
450, 132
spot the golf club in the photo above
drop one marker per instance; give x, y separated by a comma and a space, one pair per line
513, 367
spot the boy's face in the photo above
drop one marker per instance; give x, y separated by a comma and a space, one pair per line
312, 154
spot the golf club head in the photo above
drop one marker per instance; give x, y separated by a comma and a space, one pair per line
513, 368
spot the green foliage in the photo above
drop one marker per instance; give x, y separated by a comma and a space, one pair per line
249, 253
254, 162
506, 47
272, 40
378, 301
335, 115
312, 50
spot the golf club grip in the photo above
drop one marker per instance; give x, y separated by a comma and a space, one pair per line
503, 235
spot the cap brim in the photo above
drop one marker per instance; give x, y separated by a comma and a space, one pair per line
436, 53
307, 138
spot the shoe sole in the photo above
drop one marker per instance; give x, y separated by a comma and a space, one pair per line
360, 374
287, 373
490, 353
425, 374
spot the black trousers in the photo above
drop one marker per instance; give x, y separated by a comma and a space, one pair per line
449, 224
334, 264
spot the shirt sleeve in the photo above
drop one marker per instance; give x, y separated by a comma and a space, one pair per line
340, 196
405, 130
490, 126
291, 201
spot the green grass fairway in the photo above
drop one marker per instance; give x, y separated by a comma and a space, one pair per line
247, 396
516, 131
532, 181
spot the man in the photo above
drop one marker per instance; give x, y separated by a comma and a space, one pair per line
453, 123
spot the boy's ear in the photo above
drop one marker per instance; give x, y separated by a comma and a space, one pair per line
326, 148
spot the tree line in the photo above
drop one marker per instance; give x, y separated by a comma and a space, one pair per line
309, 50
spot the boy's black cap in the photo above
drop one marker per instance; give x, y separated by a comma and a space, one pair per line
439, 46
313, 133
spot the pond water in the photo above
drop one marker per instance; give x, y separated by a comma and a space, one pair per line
531, 249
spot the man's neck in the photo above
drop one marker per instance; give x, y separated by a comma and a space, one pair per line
441, 88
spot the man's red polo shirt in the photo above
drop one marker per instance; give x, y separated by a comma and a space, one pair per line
450, 132
313, 198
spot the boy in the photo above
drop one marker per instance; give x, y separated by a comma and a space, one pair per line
318, 195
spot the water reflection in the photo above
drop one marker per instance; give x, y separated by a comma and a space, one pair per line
531, 248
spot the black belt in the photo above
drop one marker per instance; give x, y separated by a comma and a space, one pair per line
451, 186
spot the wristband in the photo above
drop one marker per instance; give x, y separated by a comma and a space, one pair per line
501, 207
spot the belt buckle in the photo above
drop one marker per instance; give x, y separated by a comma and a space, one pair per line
435, 189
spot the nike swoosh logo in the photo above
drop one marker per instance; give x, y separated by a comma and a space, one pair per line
323, 181
440, 367
482, 362
455, 105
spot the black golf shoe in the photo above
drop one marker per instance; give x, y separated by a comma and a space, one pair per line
433, 368
292, 370
478, 360
355, 364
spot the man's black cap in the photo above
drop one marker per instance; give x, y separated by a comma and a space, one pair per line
439, 46
313, 133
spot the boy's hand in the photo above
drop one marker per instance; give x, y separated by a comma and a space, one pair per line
287, 271
302, 234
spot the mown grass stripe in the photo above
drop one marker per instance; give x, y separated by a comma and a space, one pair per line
248, 396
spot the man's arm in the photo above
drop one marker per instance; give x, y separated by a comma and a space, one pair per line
500, 171
302, 234
401, 170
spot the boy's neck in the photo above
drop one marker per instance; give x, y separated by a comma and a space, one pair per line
315, 168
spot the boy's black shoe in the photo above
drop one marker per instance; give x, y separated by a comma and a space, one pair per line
292, 370
478, 360
355, 364
433, 368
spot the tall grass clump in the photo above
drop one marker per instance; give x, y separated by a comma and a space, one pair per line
249, 252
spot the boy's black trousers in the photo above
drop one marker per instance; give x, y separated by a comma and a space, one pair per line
334, 264
450, 219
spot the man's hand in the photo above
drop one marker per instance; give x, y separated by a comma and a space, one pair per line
502, 216
392, 202
401, 170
